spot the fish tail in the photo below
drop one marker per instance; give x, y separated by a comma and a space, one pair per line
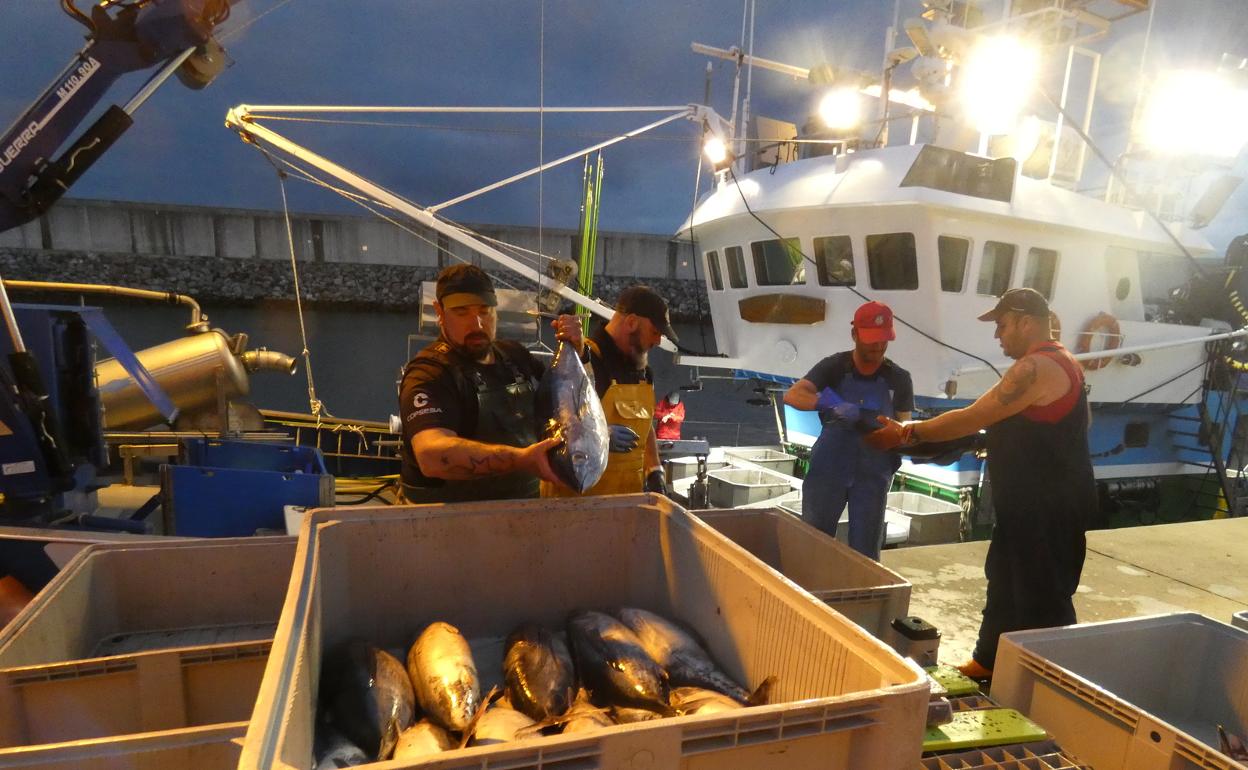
471, 729
762, 694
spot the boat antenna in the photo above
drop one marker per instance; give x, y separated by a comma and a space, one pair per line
864, 297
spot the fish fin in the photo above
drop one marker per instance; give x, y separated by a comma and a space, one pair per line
762, 694
471, 729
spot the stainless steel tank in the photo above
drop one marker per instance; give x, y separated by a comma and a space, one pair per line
187, 370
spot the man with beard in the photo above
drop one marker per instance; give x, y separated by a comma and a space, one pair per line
1042, 484
467, 402
619, 351
849, 389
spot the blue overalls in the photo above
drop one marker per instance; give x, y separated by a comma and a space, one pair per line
844, 469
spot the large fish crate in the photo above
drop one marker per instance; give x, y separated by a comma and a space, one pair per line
860, 588
213, 747
130, 639
1137, 694
735, 487
841, 700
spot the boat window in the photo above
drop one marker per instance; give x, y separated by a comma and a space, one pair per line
997, 268
712, 269
892, 262
1041, 270
953, 254
834, 255
735, 260
778, 262
957, 172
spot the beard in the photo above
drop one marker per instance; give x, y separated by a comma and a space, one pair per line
635, 353
476, 346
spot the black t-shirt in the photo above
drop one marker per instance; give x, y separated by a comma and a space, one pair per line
431, 396
611, 364
831, 371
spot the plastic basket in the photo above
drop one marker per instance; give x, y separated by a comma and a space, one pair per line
1137, 694
860, 588
842, 699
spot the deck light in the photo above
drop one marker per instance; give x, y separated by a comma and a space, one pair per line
996, 81
840, 108
1197, 113
716, 150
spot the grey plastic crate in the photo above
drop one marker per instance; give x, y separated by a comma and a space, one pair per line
1138, 694
766, 457
684, 467
734, 487
931, 520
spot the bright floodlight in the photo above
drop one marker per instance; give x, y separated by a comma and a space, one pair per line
840, 109
1198, 113
715, 149
996, 82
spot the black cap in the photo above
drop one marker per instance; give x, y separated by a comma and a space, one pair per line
643, 301
464, 284
1025, 301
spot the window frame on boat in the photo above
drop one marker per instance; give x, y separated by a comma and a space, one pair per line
713, 271
824, 273
987, 291
966, 261
1033, 253
878, 271
765, 255
734, 256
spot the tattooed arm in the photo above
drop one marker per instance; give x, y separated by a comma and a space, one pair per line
1031, 380
441, 454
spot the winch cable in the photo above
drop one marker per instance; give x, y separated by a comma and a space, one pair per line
896, 317
234, 32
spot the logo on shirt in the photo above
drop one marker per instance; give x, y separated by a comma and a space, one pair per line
421, 400
420, 404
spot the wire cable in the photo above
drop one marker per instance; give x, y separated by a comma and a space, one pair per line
862, 296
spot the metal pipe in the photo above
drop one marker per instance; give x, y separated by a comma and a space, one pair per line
10, 321
255, 360
157, 81
173, 298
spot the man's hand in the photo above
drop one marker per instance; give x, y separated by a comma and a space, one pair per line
568, 329
667, 417
535, 460
828, 399
623, 438
655, 482
891, 434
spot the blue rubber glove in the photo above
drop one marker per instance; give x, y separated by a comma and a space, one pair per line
828, 398
655, 482
846, 412
623, 438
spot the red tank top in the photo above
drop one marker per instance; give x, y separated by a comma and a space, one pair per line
1055, 411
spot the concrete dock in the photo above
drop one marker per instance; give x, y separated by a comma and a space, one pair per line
1190, 567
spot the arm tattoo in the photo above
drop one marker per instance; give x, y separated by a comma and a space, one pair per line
466, 459
1016, 381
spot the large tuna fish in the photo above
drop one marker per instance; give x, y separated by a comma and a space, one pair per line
444, 676
613, 665
568, 406
423, 739
583, 716
538, 671
501, 724
697, 700
680, 655
368, 696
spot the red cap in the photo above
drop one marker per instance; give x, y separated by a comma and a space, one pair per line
874, 322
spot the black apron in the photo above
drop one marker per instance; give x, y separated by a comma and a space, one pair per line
505, 397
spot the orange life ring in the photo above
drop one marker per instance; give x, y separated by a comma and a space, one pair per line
1102, 325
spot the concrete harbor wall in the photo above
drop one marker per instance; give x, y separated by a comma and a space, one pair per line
234, 255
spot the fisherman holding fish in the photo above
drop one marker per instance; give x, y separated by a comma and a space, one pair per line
467, 402
624, 381
849, 389
1041, 474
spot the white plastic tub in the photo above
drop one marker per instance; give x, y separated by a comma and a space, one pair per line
735, 487
766, 457
842, 699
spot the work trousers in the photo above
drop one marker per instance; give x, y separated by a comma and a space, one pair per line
824, 498
1032, 576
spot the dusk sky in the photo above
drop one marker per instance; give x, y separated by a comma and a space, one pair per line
486, 52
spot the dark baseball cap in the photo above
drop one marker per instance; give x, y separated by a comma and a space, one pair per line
460, 285
1025, 301
643, 301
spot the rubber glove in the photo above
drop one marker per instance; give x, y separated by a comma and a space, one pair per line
891, 435
623, 438
828, 399
655, 482
846, 412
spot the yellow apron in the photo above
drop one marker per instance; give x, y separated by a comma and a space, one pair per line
631, 405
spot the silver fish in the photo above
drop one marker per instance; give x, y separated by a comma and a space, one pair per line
537, 669
368, 696
680, 655
623, 715
444, 676
613, 665
568, 406
500, 724
583, 716
423, 739
334, 751
697, 700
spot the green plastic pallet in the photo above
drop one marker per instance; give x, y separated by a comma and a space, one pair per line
952, 680
982, 727
1030, 756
